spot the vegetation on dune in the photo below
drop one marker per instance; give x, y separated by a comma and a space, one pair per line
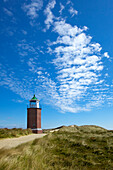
70, 148
15, 132
53, 129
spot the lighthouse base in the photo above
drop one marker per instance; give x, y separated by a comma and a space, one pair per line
37, 131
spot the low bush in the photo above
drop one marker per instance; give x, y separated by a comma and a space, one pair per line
15, 132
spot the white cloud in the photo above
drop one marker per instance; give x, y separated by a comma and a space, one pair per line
25, 49
63, 28
69, 2
32, 65
49, 14
73, 12
8, 12
24, 32
106, 55
71, 79
18, 100
78, 64
39, 72
62, 7
78, 69
33, 8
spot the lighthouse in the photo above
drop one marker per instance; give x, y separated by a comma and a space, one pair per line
34, 115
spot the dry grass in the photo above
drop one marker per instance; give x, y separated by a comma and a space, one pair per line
70, 148
15, 132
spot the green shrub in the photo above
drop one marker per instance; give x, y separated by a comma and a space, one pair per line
15, 132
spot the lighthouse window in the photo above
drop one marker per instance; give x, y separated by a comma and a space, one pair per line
33, 104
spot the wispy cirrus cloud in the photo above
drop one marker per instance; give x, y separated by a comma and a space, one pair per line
49, 14
79, 65
62, 7
73, 11
24, 32
25, 49
5, 0
8, 12
69, 72
32, 8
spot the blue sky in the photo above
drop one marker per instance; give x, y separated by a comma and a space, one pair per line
62, 52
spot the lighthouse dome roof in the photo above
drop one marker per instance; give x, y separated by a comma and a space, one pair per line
34, 98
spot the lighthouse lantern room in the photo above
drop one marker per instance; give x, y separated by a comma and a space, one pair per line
34, 102
34, 115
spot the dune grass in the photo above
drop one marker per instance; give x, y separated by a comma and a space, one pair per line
70, 148
15, 132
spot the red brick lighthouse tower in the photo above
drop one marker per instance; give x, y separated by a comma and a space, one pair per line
34, 116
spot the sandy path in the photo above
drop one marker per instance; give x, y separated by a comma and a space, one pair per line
13, 142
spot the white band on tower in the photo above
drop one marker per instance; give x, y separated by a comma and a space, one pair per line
37, 129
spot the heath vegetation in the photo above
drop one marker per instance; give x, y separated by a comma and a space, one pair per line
70, 148
15, 132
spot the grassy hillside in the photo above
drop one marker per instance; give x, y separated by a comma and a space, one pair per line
15, 132
70, 148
